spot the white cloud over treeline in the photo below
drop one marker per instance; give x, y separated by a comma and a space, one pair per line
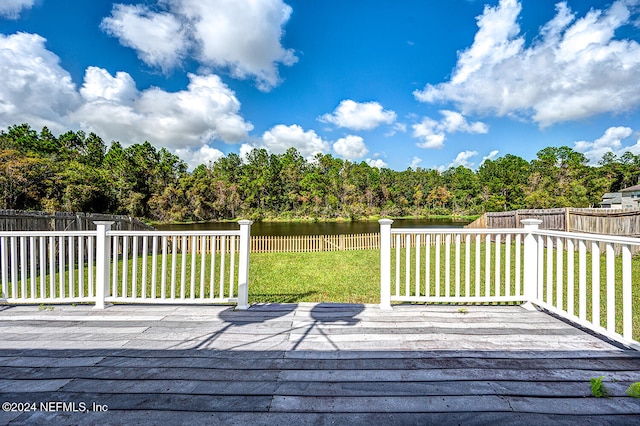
574, 69
610, 141
42, 93
433, 133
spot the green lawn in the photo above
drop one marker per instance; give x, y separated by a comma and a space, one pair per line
339, 276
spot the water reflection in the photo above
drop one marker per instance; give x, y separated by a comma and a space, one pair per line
320, 228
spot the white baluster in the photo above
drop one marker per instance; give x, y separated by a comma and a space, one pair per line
595, 283
611, 288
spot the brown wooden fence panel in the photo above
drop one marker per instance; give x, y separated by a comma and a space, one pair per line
591, 221
24, 220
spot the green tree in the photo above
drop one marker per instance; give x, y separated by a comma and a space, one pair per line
504, 183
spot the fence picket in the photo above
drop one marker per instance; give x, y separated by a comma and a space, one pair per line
549, 270
467, 265
487, 268
43, 271
595, 282
417, 265
559, 274
134, 268
61, 266
478, 265
582, 280
498, 265
81, 267
437, 266
447, 262
611, 288
570, 275
627, 293
507, 265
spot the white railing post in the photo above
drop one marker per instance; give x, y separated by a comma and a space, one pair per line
385, 263
530, 267
103, 256
243, 266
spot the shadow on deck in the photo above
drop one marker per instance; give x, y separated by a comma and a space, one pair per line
308, 363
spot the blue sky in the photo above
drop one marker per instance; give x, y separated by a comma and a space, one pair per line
410, 83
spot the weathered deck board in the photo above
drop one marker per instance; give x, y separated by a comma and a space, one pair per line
310, 364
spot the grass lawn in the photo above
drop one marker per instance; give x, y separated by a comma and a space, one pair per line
339, 276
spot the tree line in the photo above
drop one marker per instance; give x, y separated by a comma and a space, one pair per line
77, 172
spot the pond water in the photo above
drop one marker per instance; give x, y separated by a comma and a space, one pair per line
315, 228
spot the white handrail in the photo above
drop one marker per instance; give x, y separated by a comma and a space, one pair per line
104, 265
460, 231
600, 238
162, 233
47, 233
541, 267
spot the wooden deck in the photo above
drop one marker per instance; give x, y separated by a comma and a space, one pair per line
308, 364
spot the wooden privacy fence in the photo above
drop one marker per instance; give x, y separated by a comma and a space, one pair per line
592, 221
25, 220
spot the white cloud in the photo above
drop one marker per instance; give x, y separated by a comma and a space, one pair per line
245, 149
350, 147
429, 131
415, 162
204, 155
377, 163
462, 159
433, 133
159, 38
241, 36
35, 88
574, 69
455, 122
206, 111
493, 154
397, 127
100, 85
280, 138
11, 8
611, 141
359, 116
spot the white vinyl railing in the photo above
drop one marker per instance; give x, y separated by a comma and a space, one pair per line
125, 266
590, 280
444, 265
585, 278
41, 267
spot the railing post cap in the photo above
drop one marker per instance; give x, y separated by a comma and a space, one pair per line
104, 222
385, 221
245, 222
531, 224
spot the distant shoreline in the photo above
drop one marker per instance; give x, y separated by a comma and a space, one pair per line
326, 220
